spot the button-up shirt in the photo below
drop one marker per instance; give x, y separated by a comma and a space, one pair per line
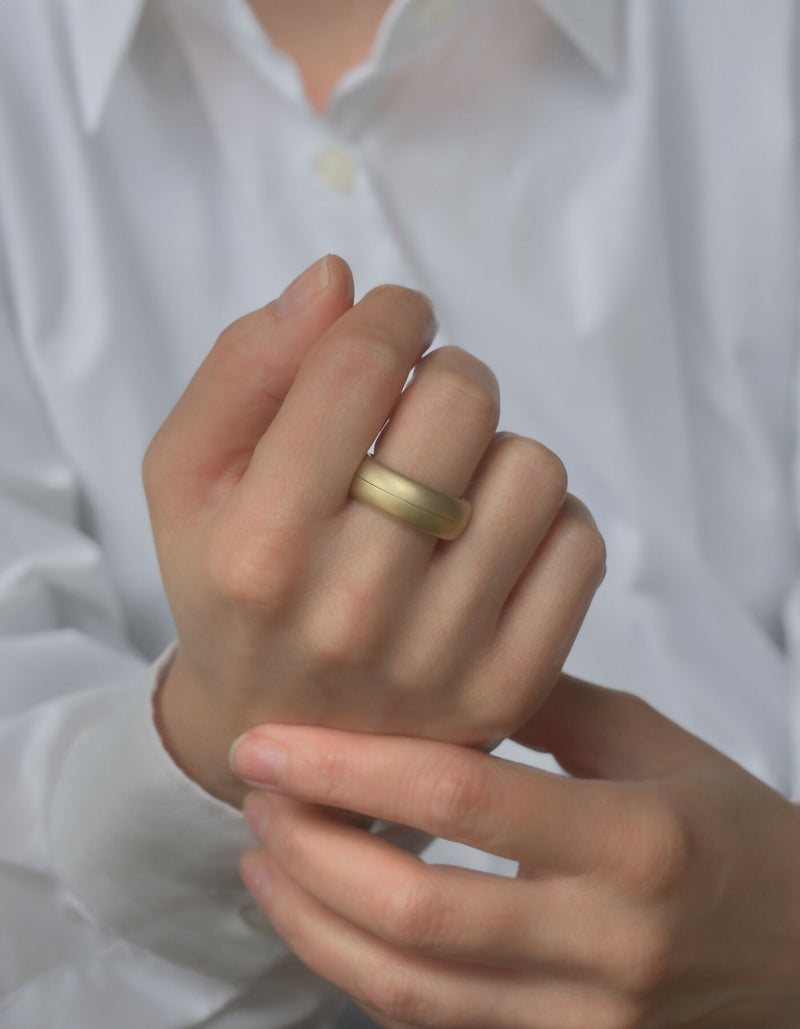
600, 198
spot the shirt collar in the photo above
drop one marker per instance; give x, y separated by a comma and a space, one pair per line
596, 27
99, 34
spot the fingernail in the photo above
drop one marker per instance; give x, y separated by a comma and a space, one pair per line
257, 761
302, 291
256, 813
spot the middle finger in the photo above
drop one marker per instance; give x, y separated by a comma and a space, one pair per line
436, 434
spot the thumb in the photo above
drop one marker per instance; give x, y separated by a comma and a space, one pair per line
600, 733
205, 444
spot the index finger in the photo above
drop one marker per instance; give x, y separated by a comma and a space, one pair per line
545, 822
341, 398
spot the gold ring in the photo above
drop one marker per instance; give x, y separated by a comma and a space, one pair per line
426, 509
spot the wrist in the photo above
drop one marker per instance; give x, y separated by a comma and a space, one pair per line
197, 733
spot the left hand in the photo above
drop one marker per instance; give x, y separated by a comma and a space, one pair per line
659, 889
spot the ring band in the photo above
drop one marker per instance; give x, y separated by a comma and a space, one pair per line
426, 509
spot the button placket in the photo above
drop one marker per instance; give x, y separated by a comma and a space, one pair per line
336, 168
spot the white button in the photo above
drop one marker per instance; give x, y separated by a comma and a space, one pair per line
434, 14
252, 915
335, 168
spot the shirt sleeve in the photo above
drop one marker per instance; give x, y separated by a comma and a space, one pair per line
118, 875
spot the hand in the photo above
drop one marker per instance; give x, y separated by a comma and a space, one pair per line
660, 890
294, 603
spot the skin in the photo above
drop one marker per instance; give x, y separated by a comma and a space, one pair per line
658, 889
294, 603
323, 39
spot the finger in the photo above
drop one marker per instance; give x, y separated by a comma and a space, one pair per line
338, 403
442, 911
436, 434
603, 733
542, 616
404, 987
445, 790
443, 422
210, 434
558, 925
555, 1005
516, 493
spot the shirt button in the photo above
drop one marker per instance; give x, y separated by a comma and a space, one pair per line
335, 168
252, 915
432, 15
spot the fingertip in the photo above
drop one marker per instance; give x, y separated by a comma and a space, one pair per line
326, 283
341, 277
258, 761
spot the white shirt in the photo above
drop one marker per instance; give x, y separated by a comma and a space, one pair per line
599, 196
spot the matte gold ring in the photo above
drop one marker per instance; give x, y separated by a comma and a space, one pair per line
426, 509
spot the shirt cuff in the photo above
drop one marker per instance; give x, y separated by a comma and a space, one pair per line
149, 854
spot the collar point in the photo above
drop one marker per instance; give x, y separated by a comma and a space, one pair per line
98, 37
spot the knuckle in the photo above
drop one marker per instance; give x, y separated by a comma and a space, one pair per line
383, 339
533, 465
522, 692
585, 540
231, 573
326, 769
420, 676
661, 852
648, 961
334, 648
456, 389
414, 914
633, 956
248, 573
460, 377
365, 356
238, 350
342, 631
391, 991
551, 468
459, 801
240, 339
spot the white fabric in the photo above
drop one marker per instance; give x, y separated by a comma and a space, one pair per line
599, 197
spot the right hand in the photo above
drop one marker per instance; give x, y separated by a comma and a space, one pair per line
294, 603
